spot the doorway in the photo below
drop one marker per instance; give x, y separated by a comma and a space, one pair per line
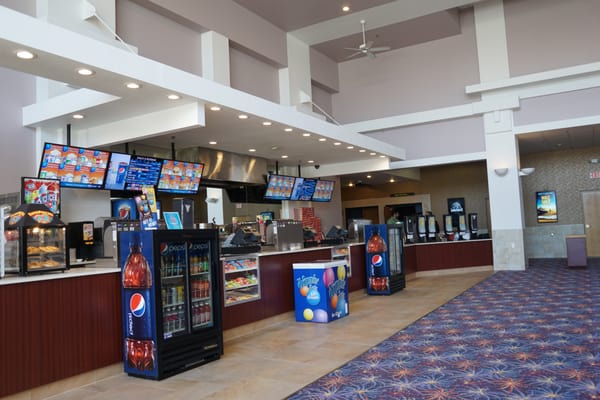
371, 213
591, 221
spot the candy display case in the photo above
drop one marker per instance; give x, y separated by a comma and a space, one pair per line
36, 241
241, 278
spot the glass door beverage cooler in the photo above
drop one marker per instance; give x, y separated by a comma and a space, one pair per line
171, 306
384, 258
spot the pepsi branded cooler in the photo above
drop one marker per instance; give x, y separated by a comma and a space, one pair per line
320, 291
171, 307
384, 250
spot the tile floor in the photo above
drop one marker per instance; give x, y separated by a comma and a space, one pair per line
277, 360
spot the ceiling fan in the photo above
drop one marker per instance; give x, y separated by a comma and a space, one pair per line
366, 47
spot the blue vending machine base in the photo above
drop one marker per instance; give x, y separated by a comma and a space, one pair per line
320, 291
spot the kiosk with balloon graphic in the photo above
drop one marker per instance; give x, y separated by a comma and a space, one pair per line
320, 291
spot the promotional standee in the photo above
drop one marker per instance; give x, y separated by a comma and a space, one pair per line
171, 310
384, 258
320, 291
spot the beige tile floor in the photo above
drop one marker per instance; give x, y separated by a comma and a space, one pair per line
275, 361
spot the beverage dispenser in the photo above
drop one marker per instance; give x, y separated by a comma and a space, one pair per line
473, 225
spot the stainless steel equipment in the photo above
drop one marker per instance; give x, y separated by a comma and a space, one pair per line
288, 234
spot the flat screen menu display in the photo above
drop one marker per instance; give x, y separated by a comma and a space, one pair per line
279, 187
303, 189
132, 172
74, 166
41, 191
180, 177
323, 191
117, 171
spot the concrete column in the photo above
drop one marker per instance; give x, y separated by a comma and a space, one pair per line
215, 57
506, 205
295, 88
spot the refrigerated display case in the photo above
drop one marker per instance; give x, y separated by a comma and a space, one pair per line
342, 253
241, 279
36, 241
171, 313
384, 258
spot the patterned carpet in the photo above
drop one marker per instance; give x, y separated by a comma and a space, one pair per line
531, 334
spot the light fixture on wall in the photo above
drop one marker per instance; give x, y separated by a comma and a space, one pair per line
501, 171
526, 171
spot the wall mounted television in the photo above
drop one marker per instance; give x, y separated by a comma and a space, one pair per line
323, 191
74, 167
303, 189
132, 172
41, 191
279, 187
180, 177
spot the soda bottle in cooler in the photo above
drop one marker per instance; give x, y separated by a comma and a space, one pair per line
376, 261
137, 284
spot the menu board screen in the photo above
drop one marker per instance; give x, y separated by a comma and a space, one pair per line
41, 191
117, 171
303, 189
142, 171
180, 177
323, 191
279, 187
74, 166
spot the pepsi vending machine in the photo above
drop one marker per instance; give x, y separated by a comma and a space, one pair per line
385, 258
171, 306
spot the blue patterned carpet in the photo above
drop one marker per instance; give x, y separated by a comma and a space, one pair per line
531, 334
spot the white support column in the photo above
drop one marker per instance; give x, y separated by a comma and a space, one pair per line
215, 57
506, 205
294, 81
214, 205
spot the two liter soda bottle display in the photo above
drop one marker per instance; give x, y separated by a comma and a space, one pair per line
140, 348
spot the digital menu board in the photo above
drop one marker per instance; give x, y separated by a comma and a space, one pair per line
74, 166
41, 191
323, 191
180, 177
117, 171
132, 172
303, 189
279, 187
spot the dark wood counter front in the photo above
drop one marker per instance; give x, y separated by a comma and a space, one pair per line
447, 255
57, 328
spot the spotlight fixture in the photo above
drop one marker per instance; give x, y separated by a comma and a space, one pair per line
133, 85
215, 108
251, 150
337, 144
322, 139
25, 55
346, 8
284, 156
267, 123
78, 116
85, 72
288, 129
173, 96
306, 134
242, 116
212, 142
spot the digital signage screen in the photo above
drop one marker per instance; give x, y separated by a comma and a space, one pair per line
74, 167
132, 172
279, 187
117, 171
303, 189
41, 191
180, 177
323, 191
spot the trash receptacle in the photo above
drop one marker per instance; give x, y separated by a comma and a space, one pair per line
320, 291
576, 251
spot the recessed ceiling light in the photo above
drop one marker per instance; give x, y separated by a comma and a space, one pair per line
132, 85
173, 97
306, 134
78, 116
251, 150
284, 156
288, 129
350, 184
25, 55
372, 154
310, 161
215, 108
349, 147
381, 156
322, 139
242, 116
392, 180
337, 144
369, 176
212, 142
85, 71
267, 123
362, 151
346, 8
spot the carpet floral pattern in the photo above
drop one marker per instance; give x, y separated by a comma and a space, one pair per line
531, 334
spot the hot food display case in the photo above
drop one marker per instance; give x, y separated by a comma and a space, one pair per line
36, 241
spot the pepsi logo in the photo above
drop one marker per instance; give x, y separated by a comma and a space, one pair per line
164, 249
137, 305
377, 260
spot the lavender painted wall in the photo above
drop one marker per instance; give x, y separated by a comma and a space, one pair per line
437, 139
322, 98
411, 79
232, 21
324, 71
253, 76
559, 106
549, 34
159, 38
